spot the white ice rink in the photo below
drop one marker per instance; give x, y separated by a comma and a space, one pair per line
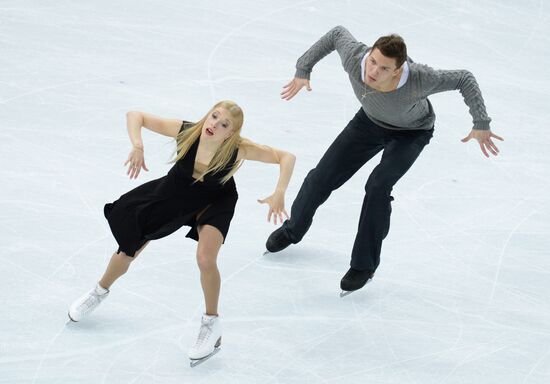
462, 294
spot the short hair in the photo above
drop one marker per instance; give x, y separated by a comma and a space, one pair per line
392, 46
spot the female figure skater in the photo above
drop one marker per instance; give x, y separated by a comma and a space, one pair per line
199, 191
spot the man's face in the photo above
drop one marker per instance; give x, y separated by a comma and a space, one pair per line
379, 69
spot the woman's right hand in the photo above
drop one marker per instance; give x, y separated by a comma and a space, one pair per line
294, 87
136, 161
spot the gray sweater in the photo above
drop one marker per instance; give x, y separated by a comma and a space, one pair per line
407, 107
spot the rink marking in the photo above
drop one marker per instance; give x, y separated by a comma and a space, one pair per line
232, 32
503, 250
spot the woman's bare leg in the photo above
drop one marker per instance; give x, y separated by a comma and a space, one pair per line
210, 242
119, 264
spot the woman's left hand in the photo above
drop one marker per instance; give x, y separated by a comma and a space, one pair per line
276, 206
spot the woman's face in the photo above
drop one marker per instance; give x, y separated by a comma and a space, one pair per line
218, 125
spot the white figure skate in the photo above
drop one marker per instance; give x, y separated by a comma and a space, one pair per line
87, 303
208, 342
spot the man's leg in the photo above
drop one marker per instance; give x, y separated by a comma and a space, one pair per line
401, 151
355, 145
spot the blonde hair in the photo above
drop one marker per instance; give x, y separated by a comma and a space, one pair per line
187, 137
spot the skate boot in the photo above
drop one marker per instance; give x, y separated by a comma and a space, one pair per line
278, 240
87, 303
354, 280
208, 342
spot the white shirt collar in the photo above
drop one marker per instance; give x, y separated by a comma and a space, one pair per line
404, 75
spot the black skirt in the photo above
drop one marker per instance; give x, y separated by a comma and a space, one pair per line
162, 206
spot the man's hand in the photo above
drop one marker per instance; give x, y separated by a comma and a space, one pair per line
294, 87
484, 138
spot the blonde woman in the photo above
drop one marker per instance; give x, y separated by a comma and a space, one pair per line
199, 191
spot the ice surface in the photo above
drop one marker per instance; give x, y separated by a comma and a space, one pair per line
462, 293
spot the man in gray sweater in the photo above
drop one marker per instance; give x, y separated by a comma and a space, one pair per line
395, 117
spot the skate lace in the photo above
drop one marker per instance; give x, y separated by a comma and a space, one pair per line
204, 333
91, 301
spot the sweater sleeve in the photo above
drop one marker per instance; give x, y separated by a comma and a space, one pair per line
434, 81
338, 38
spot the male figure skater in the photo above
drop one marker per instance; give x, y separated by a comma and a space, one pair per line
395, 117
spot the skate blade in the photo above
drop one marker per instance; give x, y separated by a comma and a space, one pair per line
266, 253
194, 362
345, 293
70, 319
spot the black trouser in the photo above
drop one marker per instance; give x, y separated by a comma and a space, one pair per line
358, 143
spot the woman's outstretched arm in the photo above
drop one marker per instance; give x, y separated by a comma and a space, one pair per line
134, 121
249, 150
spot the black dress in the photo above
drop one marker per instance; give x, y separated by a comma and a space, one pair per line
162, 206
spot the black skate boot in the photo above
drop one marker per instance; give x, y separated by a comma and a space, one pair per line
354, 280
278, 240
